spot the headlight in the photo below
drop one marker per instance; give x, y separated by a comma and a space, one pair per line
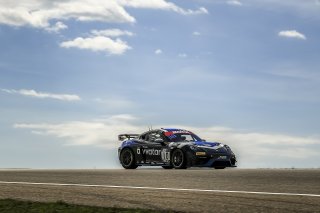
227, 147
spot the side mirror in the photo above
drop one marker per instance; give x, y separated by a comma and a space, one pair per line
204, 140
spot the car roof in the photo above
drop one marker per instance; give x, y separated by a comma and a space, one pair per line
166, 130
174, 130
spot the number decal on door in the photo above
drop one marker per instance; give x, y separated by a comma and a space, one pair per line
165, 155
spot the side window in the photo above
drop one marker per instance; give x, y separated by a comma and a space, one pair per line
153, 136
142, 137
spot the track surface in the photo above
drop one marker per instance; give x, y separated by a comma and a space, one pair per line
245, 180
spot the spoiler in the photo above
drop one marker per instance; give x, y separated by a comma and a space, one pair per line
122, 137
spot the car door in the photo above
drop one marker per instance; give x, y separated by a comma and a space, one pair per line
153, 150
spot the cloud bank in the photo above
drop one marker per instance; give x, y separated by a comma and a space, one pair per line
100, 132
254, 149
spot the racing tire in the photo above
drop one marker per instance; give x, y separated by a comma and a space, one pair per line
219, 167
127, 159
178, 159
167, 167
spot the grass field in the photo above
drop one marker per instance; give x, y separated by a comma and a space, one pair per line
18, 206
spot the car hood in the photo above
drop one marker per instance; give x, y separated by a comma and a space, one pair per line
210, 145
207, 144
215, 146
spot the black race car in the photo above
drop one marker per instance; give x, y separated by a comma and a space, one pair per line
173, 148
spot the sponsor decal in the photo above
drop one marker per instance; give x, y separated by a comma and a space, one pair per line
200, 153
138, 151
179, 131
151, 152
168, 134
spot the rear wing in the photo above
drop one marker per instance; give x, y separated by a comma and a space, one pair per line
123, 137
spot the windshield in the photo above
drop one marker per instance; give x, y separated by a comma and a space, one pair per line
182, 137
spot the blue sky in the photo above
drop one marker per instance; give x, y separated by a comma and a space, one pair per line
74, 74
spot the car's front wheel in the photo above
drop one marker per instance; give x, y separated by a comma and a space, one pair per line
127, 159
178, 159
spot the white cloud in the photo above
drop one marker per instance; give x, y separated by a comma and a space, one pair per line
292, 34
163, 5
158, 51
182, 55
195, 33
98, 43
39, 13
57, 27
252, 148
234, 3
101, 40
33, 93
111, 32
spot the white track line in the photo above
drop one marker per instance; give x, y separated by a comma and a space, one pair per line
156, 188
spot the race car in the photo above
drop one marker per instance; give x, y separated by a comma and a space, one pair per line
173, 148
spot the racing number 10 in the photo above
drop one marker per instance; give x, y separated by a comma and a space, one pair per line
165, 155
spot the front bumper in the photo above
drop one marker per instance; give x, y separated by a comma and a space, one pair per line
212, 160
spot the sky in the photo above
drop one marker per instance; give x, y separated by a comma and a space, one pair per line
75, 74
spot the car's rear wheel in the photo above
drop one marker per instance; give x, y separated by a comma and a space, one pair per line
178, 159
127, 159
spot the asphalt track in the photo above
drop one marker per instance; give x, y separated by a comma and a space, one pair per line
191, 190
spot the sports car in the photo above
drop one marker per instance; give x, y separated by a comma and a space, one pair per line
173, 148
